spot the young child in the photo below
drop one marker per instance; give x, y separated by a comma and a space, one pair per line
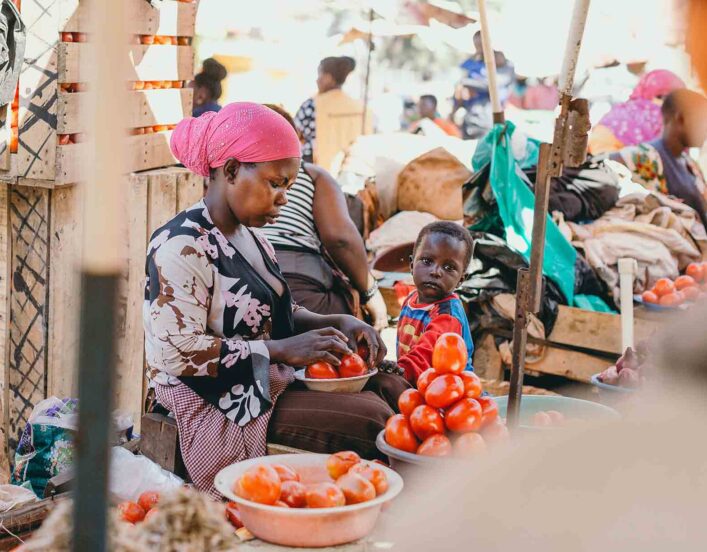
441, 256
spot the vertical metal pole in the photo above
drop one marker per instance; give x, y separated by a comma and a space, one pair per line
368, 72
490, 61
103, 193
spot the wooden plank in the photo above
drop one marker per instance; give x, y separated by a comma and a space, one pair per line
487, 359
146, 108
65, 239
569, 364
144, 152
130, 373
598, 331
29, 222
171, 19
190, 188
5, 256
38, 92
161, 199
147, 63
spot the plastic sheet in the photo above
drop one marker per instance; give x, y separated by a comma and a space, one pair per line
131, 475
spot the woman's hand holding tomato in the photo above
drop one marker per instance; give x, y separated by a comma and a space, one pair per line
449, 354
327, 344
359, 332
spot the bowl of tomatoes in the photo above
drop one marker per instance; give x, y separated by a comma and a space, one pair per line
667, 294
309, 500
350, 376
539, 412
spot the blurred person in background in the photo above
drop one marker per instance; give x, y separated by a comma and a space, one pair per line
427, 109
320, 252
664, 164
638, 119
472, 92
207, 87
332, 120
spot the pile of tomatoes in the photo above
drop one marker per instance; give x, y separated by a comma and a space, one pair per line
448, 402
691, 286
352, 365
352, 481
142, 510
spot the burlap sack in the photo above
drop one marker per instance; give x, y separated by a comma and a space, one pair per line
432, 183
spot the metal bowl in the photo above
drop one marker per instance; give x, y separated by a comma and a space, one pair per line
338, 385
306, 527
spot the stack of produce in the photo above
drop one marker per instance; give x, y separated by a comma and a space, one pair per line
352, 481
447, 413
690, 287
630, 370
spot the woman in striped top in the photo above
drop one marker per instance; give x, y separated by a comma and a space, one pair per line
313, 224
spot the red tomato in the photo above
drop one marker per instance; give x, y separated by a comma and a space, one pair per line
463, 416
425, 379
663, 286
67, 37
65, 87
148, 500
683, 282
472, 384
557, 418
696, 271
399, 434
259, 484
80, 37
321, 370
449, 354
409, 400
351, 366
138, 85
444, 390
147, 86
374, 474
147, 39
691, 293
362, 350
495, 432
490, 410
435, 445
340, 463
671, 299
160, 128
356, 488
649, 297
183, 40
173, 40
129, 511
325, 495
470, 444
149, 130
64, 139
426, 421
286, 473
293, 494
176, 84
233, 515
541, 419
138, 131
152, 513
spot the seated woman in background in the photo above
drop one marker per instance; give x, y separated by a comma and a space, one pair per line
638, 119
207, 87
316, 240
663, 165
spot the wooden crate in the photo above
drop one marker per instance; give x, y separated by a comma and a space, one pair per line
48, 113
40, 236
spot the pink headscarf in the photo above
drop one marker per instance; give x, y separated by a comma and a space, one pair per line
248, 132
659, 82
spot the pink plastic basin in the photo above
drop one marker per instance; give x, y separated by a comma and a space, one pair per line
306, 527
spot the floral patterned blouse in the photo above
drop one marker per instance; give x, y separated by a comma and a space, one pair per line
206, 313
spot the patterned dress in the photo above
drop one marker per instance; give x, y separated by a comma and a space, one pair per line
306, 123
206, 313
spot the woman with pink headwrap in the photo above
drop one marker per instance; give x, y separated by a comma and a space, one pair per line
222, 333
637, 120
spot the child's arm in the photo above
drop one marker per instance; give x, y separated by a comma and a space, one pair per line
419, 358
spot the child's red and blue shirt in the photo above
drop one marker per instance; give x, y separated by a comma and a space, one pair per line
419, 327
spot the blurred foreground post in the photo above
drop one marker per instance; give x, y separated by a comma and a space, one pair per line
104, 235
568, 148
490, 61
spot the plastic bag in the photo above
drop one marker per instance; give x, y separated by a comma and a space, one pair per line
131, 475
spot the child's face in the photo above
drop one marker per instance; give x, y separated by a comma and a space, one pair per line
438, 266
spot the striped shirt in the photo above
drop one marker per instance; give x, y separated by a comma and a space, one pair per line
295, 226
